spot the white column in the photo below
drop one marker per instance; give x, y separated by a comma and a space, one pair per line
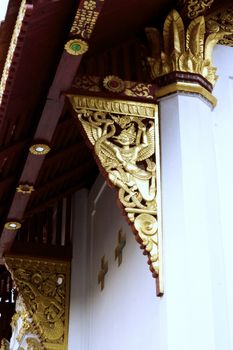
223, 136
193, 256
78, 314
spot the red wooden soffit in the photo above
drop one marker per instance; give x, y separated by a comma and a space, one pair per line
77, 44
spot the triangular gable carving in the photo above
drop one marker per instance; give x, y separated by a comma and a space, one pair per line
123, 135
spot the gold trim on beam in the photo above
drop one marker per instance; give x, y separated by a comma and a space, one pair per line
124, 136
189, 88
12, 48
121, 107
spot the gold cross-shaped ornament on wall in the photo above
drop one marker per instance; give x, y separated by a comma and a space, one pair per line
102, 272
120, 246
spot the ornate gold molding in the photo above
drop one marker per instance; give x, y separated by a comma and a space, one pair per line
121, 107
114, 84
195, 8
122, 135
190, 88
44, 288
180, 50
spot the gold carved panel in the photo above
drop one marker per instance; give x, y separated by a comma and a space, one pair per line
44, 288
124, 137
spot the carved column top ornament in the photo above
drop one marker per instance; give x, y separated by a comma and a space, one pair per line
185, 54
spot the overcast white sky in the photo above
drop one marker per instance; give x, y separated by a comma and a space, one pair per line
3, 8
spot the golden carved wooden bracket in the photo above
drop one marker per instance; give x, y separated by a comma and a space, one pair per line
44, 288
123, 135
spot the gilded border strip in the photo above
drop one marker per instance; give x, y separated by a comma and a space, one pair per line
86, 18
187, 88
12, 48
139, 109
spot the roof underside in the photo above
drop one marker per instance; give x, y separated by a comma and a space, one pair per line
34, 108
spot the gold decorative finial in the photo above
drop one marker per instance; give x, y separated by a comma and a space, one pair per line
182, 50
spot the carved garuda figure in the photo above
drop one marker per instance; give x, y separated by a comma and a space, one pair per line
124, 145
125, 148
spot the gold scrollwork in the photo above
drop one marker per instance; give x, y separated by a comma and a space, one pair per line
115, 85
43, 286
124, 144
183, 50
195, 8
86, 18
34, 344
222, 21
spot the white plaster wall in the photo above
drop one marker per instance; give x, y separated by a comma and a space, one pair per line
126, 314
79, 310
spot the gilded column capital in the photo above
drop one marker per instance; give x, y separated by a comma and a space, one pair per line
43, 286
183, 56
